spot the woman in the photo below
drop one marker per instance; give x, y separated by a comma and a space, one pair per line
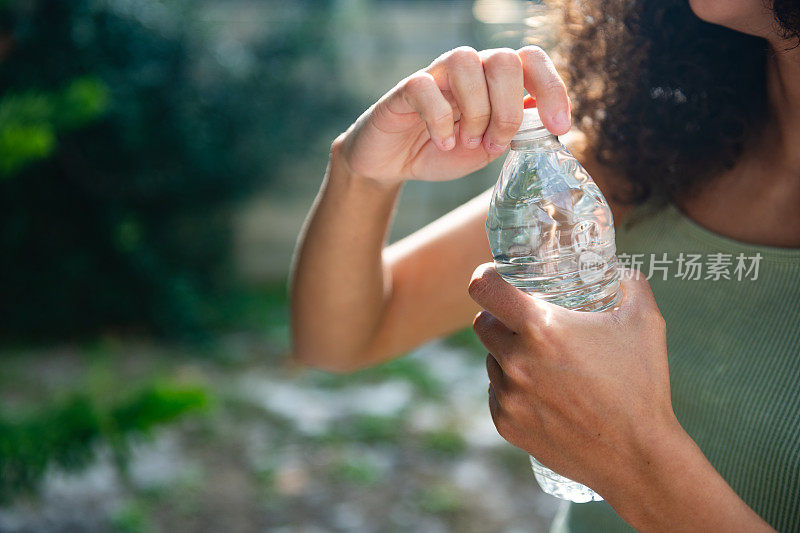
690, 116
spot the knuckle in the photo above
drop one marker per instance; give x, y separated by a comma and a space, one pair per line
463, 56
532, 330
478, 285
417, 82
547, 334
503, 58
466, 50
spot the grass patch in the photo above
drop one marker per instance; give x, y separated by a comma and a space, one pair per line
363, 429
65, 433
441, 499
444, 442
371, 429
132, 517
355, 471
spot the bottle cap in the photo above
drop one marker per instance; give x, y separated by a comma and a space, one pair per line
531, 127
530, 119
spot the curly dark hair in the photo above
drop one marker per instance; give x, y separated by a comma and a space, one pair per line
667, 100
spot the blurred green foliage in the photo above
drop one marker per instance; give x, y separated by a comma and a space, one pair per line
441, 498
355, 470
29, 121
128, 130
66, 433
466, 339
447, 442
131, 518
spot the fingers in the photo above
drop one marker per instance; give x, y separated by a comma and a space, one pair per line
495, 336
494, 405
517, 310
483, 92
503, 72
488, 88
421, 93
500, 417
495, 372
467, 82
543, 81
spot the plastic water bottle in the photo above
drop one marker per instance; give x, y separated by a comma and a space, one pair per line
552, 235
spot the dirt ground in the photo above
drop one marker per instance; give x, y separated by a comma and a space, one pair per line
408, 446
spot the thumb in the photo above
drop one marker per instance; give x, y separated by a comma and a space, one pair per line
637, 296
516, 309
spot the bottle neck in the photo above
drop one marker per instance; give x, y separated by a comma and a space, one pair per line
544, 141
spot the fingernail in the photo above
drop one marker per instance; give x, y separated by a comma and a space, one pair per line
561, 118
449, 142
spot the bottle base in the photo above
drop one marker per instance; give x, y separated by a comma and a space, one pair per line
562, 487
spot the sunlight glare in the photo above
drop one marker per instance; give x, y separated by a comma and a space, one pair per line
499, 11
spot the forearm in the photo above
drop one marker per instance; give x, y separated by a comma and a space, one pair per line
677, 489
339, 285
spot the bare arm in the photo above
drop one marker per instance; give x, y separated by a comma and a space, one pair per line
678, 489
355, 304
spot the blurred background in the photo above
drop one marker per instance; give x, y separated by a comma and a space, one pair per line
157, 159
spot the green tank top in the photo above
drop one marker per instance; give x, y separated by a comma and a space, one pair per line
734, 359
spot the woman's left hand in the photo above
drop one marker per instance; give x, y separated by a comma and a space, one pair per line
587, 394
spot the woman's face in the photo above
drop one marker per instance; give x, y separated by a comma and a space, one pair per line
753, 17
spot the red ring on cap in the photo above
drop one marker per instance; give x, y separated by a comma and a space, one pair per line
528, 102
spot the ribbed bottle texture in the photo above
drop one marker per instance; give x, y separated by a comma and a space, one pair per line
552, 235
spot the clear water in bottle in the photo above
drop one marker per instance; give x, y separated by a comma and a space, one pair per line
552, 235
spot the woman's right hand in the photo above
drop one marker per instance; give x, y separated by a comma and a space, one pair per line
454, 116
